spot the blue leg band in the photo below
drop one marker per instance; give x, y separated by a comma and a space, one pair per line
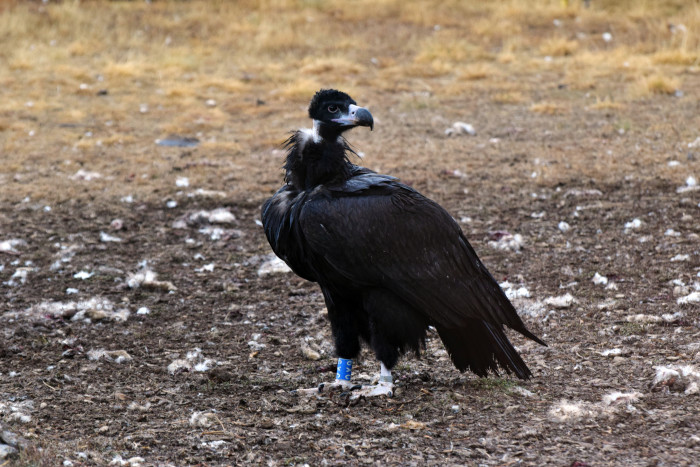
344, 369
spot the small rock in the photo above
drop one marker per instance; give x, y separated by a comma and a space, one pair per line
266, 423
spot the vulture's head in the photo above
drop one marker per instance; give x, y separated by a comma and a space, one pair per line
334, 112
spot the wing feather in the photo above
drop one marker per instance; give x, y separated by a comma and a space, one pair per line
388, 235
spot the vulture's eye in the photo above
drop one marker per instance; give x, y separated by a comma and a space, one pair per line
332, 108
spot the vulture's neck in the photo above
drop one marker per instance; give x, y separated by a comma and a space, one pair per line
313, 159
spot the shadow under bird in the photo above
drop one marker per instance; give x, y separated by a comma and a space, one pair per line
390, 262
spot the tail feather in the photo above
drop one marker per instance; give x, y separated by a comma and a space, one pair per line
482, 348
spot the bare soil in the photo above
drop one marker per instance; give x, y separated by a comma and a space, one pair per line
201, 369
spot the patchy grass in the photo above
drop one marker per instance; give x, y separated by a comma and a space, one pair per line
92, 85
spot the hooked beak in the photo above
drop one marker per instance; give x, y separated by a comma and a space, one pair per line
356, 116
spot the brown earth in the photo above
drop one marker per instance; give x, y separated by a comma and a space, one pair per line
527, 169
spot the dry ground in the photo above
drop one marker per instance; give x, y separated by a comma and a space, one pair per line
586, 122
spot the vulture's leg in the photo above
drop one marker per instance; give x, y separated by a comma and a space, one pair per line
342, 380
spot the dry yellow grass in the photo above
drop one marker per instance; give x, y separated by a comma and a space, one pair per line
655, 84
607, 103
548, 108
130, 72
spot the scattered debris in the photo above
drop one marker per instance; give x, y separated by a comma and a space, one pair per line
693, 297
273, 265
634, 224
562, 301
85, 175
19, 277
503, 240
143, 311
182, 182
460, 128
10, 246
95, 308
568, 411
202, 419
614, 353
582, 193
680, 257
105, 237
177, 141
116, 356
308, 352
199, 218
207, 193
206, 268
179, 366
564, 226
675, 378
599, 280
131, 462
573, 411
19, 411
82, 275
194, 360
147, 278
617, 397
691, 184
512, 292
522, 391
645, 318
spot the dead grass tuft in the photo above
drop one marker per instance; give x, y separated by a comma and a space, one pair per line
509, 97
559, 47
655, 84
676, 57
607, 103
547, 108
478, 71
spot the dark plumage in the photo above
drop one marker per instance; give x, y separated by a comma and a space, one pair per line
390, 262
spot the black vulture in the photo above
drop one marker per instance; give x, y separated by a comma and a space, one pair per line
390, 262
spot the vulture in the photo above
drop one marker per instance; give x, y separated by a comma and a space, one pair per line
389, 261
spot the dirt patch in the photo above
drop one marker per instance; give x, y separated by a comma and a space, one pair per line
139, 327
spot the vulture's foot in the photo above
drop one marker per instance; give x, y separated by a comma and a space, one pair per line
382, 388
337, 385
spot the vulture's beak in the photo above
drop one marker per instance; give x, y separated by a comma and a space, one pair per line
356, 116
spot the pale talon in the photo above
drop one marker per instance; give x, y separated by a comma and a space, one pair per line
324, 387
